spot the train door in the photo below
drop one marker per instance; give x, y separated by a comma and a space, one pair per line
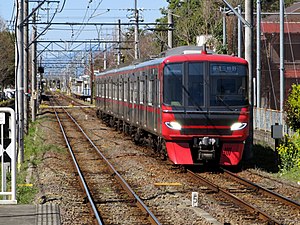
158, 97
150, 100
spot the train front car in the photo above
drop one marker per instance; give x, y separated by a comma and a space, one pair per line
205, 110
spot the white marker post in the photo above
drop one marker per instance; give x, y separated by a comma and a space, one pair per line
194, 199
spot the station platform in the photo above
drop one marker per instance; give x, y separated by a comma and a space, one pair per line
47, 214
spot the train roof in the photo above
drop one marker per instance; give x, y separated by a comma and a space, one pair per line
133, 66
178, 55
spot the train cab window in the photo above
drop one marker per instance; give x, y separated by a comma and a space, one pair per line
195, 90
228, 84
173, 74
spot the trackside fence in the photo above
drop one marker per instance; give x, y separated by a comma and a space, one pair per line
263, 119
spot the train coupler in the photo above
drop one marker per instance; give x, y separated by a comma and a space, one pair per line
206, 148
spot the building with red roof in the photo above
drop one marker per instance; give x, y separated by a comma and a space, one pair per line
270, 55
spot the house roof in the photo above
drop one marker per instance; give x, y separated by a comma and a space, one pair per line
274, 27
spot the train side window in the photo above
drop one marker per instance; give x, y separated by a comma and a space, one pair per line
107, 88
135, 92
103, 89
150, 92
155, 88
158, 96
141, 92
125, 90
121, 87
110, 89
98, 88
114, 90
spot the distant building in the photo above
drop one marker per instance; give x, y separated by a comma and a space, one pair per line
270, 55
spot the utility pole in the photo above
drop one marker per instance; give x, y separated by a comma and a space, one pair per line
33, 70
170, 29
282, 86
105, 57
92, 74
224, 27
249, 57
119, 43
240, 33
26, 68
258, 47
249, 45
136, 31
19, 80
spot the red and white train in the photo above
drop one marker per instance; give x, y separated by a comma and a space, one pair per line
191, 107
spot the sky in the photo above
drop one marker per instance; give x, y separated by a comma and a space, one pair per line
80, 11
88, 11
83, 11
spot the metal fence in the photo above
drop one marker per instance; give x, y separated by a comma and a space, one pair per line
263, 119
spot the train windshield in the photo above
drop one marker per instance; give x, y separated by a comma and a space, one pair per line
228, 84
183, 84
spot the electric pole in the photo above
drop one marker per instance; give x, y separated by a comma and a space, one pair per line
119, 43
26, 67
136, 31
282, 86
170, 30
33, 70
19, 81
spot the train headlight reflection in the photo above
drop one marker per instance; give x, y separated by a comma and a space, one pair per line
173, 125
238, 126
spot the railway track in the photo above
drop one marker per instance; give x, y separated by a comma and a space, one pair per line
109, 202
256, 200
248, 213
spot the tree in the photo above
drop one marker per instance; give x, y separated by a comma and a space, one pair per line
7, 57
202, 17
193, 18
292, 108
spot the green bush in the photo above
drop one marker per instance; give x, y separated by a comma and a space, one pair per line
292, 108
289, 149
289, 153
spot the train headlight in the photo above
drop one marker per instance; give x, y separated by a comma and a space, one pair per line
238, 126
173, 125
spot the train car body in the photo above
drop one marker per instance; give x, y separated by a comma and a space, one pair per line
192, 108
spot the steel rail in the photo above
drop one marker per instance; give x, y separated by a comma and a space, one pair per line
123, 183
261, 214
86, 188
261, 189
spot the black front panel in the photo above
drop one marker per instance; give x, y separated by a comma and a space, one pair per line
209, 123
